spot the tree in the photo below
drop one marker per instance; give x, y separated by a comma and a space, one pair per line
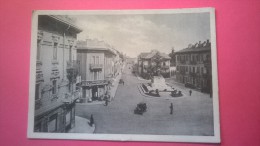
173, 57
157, 59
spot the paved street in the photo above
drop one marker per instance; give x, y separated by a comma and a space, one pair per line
192, 115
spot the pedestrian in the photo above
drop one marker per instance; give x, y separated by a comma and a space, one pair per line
123, 82
190, 92
106, 101
91, 122
171, 109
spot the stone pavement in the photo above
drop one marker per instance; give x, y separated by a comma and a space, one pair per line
115, 85
192, 115
82, 126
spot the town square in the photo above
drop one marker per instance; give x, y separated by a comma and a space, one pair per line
133, 74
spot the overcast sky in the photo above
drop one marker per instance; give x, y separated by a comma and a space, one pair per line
133, 34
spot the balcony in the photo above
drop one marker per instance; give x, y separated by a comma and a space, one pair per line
96, 66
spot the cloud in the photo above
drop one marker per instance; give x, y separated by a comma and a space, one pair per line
133, 34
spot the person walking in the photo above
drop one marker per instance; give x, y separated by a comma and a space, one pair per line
106, 101
171, 108
190, 92
91, 122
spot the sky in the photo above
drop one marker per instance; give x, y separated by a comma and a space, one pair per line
136, 33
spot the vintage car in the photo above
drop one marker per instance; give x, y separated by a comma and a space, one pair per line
140, 108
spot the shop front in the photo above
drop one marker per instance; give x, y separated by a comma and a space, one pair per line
94, 90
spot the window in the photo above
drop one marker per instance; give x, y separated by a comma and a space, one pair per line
198, 69
37, 91
38, 49
93, 59
70, 53
54, 86
95, 75
193, 69
97, 60
55, 46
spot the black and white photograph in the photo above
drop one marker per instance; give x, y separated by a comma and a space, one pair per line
124, 75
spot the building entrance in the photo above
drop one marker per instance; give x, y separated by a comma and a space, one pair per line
94, 93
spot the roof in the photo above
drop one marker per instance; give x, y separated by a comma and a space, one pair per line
206, 46
152, 54
142, 55
95, 45
66, 20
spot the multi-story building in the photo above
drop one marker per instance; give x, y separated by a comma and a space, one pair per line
56, 71
96, 68
153, 63
194, 66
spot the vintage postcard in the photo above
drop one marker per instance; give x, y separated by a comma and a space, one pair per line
124, 75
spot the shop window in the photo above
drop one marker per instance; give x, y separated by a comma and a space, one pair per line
68, 119
52, 125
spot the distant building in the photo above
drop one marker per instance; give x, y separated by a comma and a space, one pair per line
97, 68
131, 60
152, 63
194, 66
56, 73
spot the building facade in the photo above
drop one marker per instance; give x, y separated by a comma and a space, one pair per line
96, 68
153, 63
56, 72
193, 66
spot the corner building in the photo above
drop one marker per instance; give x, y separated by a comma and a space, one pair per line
193, 66
96, 68
56, 74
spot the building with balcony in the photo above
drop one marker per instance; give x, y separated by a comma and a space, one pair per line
153, 63
193, 66
96, 68
56, 70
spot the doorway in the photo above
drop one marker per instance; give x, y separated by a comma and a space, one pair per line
94, 93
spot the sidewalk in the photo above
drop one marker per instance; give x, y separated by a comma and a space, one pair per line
115, 84
82, 126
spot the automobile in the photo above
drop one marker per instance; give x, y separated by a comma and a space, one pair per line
189, 85
140, 108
